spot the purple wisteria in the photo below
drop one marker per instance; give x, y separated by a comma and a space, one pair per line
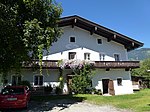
74, 64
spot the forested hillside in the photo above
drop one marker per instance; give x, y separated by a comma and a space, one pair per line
139, 54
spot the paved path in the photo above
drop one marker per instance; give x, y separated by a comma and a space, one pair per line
67, 106
72, 106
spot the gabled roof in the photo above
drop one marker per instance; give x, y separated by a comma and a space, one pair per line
92, 27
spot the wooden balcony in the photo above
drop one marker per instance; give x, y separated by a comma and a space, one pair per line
53, 64
117, 64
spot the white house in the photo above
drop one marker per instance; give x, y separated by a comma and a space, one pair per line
85, 40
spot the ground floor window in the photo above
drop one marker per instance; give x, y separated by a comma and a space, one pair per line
16, 80
38, 80
119, 81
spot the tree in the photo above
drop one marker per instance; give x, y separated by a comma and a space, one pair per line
143, 70
26, 28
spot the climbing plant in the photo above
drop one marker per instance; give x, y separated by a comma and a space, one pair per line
83, 70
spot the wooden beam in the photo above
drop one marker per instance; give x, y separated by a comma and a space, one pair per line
128, 69
93, 30
107, 69
111, 38
132, 44
74, 22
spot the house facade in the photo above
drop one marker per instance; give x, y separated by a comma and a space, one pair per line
85, 40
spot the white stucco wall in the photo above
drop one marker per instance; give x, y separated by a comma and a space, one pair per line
85, 43
125, 88
51, 76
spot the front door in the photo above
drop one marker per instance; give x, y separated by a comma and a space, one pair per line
105, 85
108, 86
111, 87
69, 81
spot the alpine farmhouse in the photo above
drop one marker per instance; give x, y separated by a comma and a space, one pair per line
85, 40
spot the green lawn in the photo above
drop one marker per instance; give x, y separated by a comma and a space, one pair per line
138, 102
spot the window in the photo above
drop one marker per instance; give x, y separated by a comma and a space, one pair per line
86, 56
101, 57
72, 55
38, 80
119, 81
16, 80
72, 39
117, 57
99, 41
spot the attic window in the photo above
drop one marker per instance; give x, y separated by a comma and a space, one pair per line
99, 41
72, 39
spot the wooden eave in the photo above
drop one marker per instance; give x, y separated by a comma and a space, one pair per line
92, 27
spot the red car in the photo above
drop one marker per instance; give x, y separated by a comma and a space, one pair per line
14, 97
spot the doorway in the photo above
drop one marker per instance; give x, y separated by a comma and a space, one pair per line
108, 86
105, 85
69, 81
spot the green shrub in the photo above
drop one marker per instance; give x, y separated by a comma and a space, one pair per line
48, 88
25, 83
58, 90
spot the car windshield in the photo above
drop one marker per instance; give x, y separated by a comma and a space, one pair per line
12, 91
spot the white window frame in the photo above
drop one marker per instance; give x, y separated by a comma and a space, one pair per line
73, 54
86, 56
119, 84
97, 41
119, 56
38, 80
70, 39
102, 56
16, 79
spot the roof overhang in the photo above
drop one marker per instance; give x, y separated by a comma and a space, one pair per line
129, 43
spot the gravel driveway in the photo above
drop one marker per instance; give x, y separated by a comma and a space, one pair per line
68, 106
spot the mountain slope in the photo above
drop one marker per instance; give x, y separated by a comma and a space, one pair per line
139, 54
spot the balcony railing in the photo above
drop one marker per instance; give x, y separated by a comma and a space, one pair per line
97, 64
117, 64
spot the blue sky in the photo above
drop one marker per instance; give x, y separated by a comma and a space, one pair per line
128, 17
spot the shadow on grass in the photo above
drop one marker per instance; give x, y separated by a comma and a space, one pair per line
48, 103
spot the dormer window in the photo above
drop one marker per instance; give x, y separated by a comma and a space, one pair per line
99, 41
72, 39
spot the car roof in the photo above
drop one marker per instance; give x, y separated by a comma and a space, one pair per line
15, 86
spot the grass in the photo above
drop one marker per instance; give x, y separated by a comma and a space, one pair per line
138, 102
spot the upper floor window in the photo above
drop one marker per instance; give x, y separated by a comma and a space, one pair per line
99, 41
38, 80
72, 55
86, 56
72, 39
101, 57
117, 57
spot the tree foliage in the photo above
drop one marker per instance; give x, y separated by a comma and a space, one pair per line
143, 70
26, 28
82, 79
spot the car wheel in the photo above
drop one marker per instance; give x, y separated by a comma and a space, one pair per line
27, 105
